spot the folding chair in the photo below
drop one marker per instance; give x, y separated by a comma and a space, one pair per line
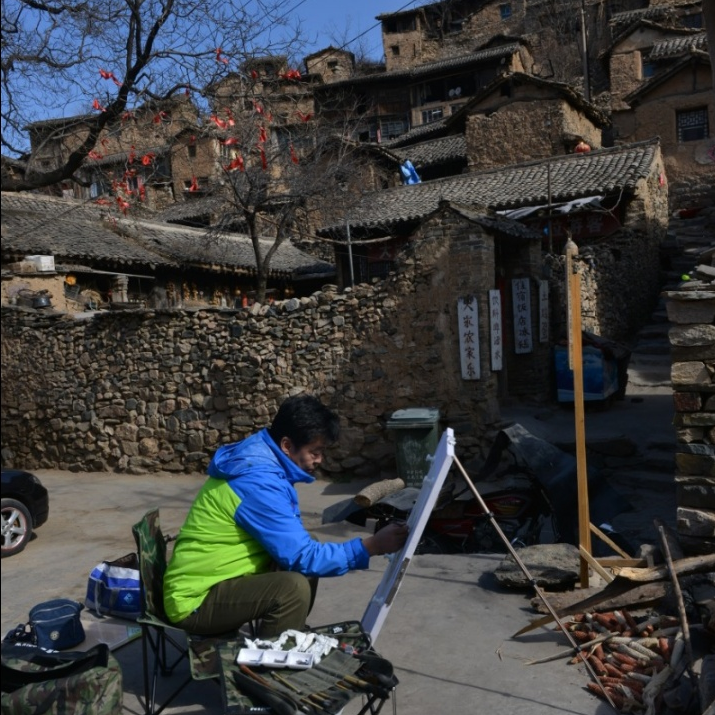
156, 631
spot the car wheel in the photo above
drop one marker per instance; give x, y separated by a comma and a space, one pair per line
16, 527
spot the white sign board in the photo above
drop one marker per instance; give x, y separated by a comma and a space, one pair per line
385, 593
496, 337
521, 299
468, 318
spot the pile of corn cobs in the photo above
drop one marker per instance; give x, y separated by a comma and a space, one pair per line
633, 660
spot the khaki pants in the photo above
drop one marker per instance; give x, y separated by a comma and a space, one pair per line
279, 600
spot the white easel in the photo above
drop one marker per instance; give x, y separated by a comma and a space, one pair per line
385, 593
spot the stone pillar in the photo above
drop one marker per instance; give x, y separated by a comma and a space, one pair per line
691, 311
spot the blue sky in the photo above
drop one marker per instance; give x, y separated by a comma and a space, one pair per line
333, 20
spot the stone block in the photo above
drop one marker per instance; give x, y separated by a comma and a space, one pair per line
696, 522
695, 464
695, 493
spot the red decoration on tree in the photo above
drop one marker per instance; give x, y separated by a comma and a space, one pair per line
148, 158
132, 155
304, 117
94, 155
582, 147
96, 105
109, 75
218, 122
264, 161
160, 117
293, 155
220, 57
194, 184
237, 163
229, 142
291, 74
262, 135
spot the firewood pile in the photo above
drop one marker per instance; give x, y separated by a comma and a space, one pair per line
633, 659
646, 638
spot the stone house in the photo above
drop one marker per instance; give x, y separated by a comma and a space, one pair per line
391, 103
676, 103
132, 161
110, 261
612, 201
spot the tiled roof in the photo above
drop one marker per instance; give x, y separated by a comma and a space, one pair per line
420, 131
78, 232
434, 151
694, 57
646, 13
448, 63
201, 247
675, 46
191, 208
122, 157
571, 176
70, 230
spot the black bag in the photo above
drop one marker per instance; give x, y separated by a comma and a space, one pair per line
56, 624
70, 683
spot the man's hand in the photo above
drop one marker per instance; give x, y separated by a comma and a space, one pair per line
389, 539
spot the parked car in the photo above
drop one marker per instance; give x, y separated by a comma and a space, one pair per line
25, 506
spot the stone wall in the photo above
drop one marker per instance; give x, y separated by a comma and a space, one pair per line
142, 391
546, 128
692, 337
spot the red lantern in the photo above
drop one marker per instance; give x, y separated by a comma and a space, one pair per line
582, 147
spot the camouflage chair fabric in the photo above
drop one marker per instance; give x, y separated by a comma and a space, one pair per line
152, 548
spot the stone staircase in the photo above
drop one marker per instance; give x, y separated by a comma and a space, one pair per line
688, 254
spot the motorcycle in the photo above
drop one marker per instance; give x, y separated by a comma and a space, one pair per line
528, 486
458, 524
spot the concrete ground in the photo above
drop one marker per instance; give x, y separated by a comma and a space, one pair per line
449, 631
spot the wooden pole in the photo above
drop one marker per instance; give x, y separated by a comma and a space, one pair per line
573, 283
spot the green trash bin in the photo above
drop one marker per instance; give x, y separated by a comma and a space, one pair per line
416, 436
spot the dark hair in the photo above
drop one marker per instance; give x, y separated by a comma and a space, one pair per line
303, 419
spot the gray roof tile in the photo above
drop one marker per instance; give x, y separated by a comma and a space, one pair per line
77, 232
572, 176
675, 46
435, 151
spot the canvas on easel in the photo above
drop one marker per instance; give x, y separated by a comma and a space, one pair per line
385, 593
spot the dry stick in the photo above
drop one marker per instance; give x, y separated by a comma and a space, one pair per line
577, 651
681, 607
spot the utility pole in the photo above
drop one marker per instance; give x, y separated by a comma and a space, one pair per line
584, 53
350, 254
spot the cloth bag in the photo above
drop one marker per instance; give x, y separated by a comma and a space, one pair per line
114, 588
56, 624
72, 683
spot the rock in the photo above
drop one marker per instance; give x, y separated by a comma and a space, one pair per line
552, 566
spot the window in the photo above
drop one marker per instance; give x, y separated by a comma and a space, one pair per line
432, 115
505, 11
395, 49
692, 124
694, 21
192, 151
647, 69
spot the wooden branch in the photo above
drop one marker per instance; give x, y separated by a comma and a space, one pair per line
607, 577
609, 541
379, 490
682, 567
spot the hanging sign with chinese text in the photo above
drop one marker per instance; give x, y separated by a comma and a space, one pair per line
495, 329
468, 318
543, 311
521, 299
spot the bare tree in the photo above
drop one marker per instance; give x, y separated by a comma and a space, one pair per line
100, 58
285, 170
